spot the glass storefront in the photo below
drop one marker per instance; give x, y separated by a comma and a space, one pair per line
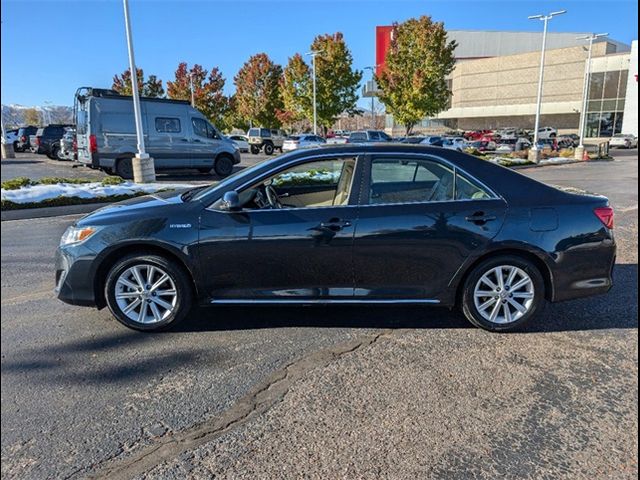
605, 105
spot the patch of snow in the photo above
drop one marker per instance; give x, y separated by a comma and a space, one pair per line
38, 193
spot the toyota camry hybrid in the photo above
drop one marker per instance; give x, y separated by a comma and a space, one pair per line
349, 224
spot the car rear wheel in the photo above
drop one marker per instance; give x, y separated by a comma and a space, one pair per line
224, 165
503, 293
148, 292
124, 168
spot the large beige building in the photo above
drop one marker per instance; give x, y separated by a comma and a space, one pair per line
500, 90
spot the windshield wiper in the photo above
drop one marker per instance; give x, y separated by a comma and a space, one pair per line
189, 194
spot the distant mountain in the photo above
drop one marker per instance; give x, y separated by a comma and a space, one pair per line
14, 115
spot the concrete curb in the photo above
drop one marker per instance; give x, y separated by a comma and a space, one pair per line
28, 213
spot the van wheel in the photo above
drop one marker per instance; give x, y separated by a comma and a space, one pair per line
255, 149
223, 165
268, 148
124, 168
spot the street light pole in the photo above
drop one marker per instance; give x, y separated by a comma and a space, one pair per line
534, 153
585, 92
193, 100
143, 167
313, 55
373, 112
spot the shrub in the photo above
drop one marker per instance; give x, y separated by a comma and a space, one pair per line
566, 153
113, 180
56, 180
16, 183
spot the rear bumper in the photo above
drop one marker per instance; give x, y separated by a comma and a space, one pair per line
584, 272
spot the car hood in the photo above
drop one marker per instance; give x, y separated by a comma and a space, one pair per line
138, 206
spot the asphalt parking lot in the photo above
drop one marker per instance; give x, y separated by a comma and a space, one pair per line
319, 392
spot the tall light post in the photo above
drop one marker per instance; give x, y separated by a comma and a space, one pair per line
579, 153
193, 98
313, 55
143, 167
373, 111
534, 153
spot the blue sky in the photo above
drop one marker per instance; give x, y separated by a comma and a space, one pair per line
49, 48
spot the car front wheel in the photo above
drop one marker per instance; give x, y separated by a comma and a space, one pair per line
148, 292
503, 293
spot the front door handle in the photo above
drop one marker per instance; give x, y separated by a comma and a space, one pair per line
480, 218
335, 224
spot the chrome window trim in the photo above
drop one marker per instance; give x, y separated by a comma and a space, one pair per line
362, 154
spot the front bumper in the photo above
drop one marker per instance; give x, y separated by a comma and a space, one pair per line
75, 276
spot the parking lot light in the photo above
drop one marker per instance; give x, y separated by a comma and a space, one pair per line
143, 167
534, 152
313, 54
585, 88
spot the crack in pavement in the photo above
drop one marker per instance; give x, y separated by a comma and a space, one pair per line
258, 401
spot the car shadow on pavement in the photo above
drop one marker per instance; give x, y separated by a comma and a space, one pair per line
113, 357
617, 309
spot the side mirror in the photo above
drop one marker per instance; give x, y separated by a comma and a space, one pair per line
231, 201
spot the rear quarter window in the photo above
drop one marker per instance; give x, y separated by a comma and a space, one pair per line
168, 125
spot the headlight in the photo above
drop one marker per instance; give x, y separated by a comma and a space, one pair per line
73, 235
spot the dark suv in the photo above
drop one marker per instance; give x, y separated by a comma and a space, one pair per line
47, 140
22, 144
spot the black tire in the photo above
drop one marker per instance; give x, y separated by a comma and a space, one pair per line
204, 169
53, 153
472, 312
224, 165
255, 149
124, 168
268, 148
177, 275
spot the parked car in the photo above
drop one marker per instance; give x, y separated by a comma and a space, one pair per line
434, 141
574, 138
477, 134
483, 145
24, 135
455, 143
241, 142
11, 138
439, 228
412, 140
266, 139
547, 133
366, 136
305, 140
46, 141
67, 145
623, 140
177, 135
513, 145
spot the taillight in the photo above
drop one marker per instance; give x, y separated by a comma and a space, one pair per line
38, 141
93, 144
606, 216
75, 144
23, 139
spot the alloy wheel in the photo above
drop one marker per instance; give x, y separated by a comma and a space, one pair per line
504, 294
146, 294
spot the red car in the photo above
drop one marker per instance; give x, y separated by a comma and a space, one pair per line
477, 134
